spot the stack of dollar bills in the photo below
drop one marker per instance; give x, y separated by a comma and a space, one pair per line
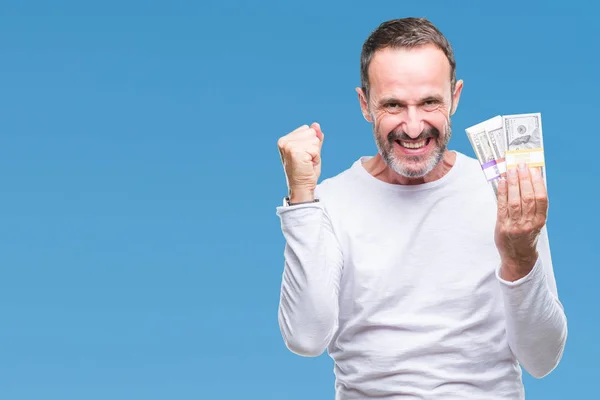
505, 141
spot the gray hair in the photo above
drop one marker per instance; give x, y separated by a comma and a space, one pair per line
403, 33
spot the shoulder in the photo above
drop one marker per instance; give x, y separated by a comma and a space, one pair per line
472, 183
471, 172
340, 184
470, 165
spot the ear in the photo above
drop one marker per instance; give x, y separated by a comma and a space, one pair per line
364, 107
456, 96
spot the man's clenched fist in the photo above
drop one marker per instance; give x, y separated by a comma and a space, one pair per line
300, 152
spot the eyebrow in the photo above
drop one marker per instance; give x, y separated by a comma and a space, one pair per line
392, 99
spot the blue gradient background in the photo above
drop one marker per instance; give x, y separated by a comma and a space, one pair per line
140, 253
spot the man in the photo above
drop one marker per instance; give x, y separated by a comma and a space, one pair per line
418, 282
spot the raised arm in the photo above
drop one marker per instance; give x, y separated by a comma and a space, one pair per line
308, 308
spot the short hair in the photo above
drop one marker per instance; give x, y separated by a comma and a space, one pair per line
404, 33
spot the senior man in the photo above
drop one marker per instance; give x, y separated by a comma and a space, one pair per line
418, 282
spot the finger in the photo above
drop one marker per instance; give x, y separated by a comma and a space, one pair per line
540, 195
281, 143
514, 196
304, 141
315, 154
502, 199
300, 128
303, 135
298, 132
527, 194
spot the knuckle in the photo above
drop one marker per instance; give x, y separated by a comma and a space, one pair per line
527, 197
286, 148
516, 231
296, 152
288, 154
301, 135
541, 217
298, 132
300, 128
541, 198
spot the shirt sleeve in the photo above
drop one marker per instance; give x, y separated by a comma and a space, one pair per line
536, 324
308, 307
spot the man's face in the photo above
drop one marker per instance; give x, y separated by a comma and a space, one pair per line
410, 104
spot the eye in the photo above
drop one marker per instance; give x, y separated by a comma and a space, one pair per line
392, 106
431, 105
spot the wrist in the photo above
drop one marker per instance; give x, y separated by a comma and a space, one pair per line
515, 269
301, 195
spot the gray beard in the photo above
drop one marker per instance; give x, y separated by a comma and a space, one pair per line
403, 167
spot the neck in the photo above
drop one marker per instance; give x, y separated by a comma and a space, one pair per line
377, 167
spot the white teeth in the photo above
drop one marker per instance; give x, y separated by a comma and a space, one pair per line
413, 145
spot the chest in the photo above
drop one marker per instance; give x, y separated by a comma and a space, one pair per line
420, 254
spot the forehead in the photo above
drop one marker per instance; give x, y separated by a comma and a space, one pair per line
409, 72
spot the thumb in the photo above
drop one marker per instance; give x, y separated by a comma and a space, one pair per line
317, 127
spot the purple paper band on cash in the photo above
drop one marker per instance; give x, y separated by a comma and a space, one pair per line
488, 164
490, 170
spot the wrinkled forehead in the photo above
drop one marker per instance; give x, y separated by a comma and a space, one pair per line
410, 74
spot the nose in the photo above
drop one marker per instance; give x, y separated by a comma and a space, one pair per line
413, 124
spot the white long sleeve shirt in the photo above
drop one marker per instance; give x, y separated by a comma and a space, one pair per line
401, 285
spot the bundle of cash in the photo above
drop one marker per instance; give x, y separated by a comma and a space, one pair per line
505, 141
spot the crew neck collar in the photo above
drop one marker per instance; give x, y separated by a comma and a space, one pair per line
359, 168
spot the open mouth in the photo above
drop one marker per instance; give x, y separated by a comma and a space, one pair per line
414, 145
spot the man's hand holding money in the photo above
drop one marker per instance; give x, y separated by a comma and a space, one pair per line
522, 210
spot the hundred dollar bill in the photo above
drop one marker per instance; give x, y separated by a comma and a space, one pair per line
483, 150
494, 129
524, 140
